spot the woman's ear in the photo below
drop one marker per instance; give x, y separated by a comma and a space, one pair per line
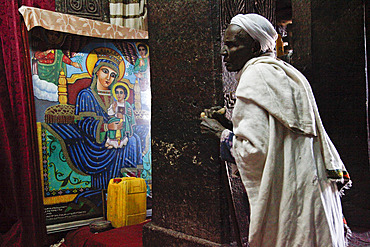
256, 48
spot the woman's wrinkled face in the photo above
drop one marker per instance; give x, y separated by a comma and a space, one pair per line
236, 51
106, 76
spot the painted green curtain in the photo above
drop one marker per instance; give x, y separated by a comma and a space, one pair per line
21, 209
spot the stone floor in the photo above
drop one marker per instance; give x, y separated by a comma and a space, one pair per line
360, 238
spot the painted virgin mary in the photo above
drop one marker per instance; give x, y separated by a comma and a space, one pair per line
85, 139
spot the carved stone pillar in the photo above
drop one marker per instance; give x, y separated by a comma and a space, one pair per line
189, 201
93, 9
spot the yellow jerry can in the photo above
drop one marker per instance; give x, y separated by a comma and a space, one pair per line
126, 201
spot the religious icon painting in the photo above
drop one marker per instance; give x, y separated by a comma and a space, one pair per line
92, 99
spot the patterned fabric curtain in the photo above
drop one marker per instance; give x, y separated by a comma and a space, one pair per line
129, 13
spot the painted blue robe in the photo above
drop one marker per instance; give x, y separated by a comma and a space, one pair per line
88, 155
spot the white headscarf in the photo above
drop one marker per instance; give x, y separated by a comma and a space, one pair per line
259, 28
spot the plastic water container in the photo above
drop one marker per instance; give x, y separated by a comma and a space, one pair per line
126, 201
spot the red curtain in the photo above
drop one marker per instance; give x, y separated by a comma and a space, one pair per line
21, 208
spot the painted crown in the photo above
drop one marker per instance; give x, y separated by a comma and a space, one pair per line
108, 54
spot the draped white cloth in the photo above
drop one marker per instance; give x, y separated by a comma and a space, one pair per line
259, 28
278, 148
129, 13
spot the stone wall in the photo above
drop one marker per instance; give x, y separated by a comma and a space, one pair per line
189, 204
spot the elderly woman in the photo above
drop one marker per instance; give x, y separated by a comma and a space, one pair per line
287, 163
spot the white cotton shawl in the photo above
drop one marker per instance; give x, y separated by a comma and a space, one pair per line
283, 155
286, 94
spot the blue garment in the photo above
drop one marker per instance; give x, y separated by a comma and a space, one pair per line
86, 153
226, 143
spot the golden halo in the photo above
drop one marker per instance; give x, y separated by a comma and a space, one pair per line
122, 84
103, 53
147, 48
